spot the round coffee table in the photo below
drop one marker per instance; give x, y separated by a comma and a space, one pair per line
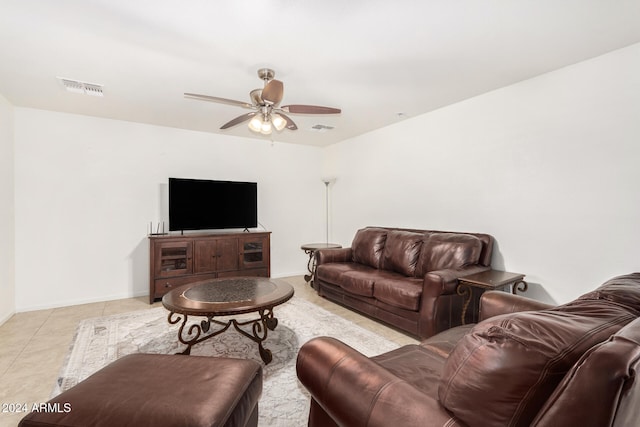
227, 297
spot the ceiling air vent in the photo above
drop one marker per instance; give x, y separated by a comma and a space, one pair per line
77, 86
321, 128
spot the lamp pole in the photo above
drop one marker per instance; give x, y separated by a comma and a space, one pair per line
326, 193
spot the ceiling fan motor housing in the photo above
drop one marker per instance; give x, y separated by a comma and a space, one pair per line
266, 74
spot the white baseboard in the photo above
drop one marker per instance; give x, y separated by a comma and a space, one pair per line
70, 303
283, 275
145, 293
6, 317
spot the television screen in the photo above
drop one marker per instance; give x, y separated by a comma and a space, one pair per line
198, 204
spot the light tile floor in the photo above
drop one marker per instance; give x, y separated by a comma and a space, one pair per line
33, 344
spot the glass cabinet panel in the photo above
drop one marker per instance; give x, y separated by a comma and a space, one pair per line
173, 259
253, 251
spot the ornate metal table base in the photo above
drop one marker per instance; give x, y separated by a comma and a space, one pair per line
198, 332
310, 249
464, 291
311, 265
519, 286
488, 280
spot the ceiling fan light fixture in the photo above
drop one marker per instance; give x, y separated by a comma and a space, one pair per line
255, 124
266, 127
278, 122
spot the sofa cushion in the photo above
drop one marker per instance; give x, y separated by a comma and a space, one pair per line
622, 290
502, 372
401, 251
368, 245
444, 342
332, 272
448, 250
402, 292
358, 282
416, 365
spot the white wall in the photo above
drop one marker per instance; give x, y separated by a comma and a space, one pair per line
7, 283
549, 167
87, 188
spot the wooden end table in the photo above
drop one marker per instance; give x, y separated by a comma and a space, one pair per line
490, 280
310, 249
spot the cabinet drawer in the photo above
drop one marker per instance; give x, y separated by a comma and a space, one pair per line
162, 286
260, 272
253, 272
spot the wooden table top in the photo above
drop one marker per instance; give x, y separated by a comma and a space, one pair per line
492, 279
227, 296
316, 246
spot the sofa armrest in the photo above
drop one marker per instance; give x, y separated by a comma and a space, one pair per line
446, 281
354, 390
494, 303
438, 292
324, 256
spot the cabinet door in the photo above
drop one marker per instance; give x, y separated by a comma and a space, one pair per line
216, 255
173, 258
254, 252
227, 255
205, 255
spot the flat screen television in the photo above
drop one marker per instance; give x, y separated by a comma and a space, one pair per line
199, 204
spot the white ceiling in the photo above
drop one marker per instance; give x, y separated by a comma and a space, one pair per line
373, 59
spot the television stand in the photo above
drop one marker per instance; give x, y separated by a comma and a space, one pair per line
177, 260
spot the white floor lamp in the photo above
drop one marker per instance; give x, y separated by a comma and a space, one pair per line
327, 181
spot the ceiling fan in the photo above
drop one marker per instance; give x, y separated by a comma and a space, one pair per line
268, 113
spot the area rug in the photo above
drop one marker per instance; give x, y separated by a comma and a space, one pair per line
284, 400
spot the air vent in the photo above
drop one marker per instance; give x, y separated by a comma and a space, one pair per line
77, 86
321, 128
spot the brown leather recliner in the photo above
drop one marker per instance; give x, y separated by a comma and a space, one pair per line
571, 365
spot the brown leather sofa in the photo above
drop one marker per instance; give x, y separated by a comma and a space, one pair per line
406, 278
571, 365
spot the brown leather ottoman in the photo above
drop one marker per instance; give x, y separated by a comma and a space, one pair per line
160, 390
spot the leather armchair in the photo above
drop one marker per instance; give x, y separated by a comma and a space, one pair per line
557, 356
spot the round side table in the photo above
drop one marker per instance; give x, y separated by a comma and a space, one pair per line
310, 249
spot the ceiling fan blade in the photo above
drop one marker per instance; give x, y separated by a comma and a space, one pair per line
238, 120
273, 92
256, 96
310, 109
290, 124
217, 99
